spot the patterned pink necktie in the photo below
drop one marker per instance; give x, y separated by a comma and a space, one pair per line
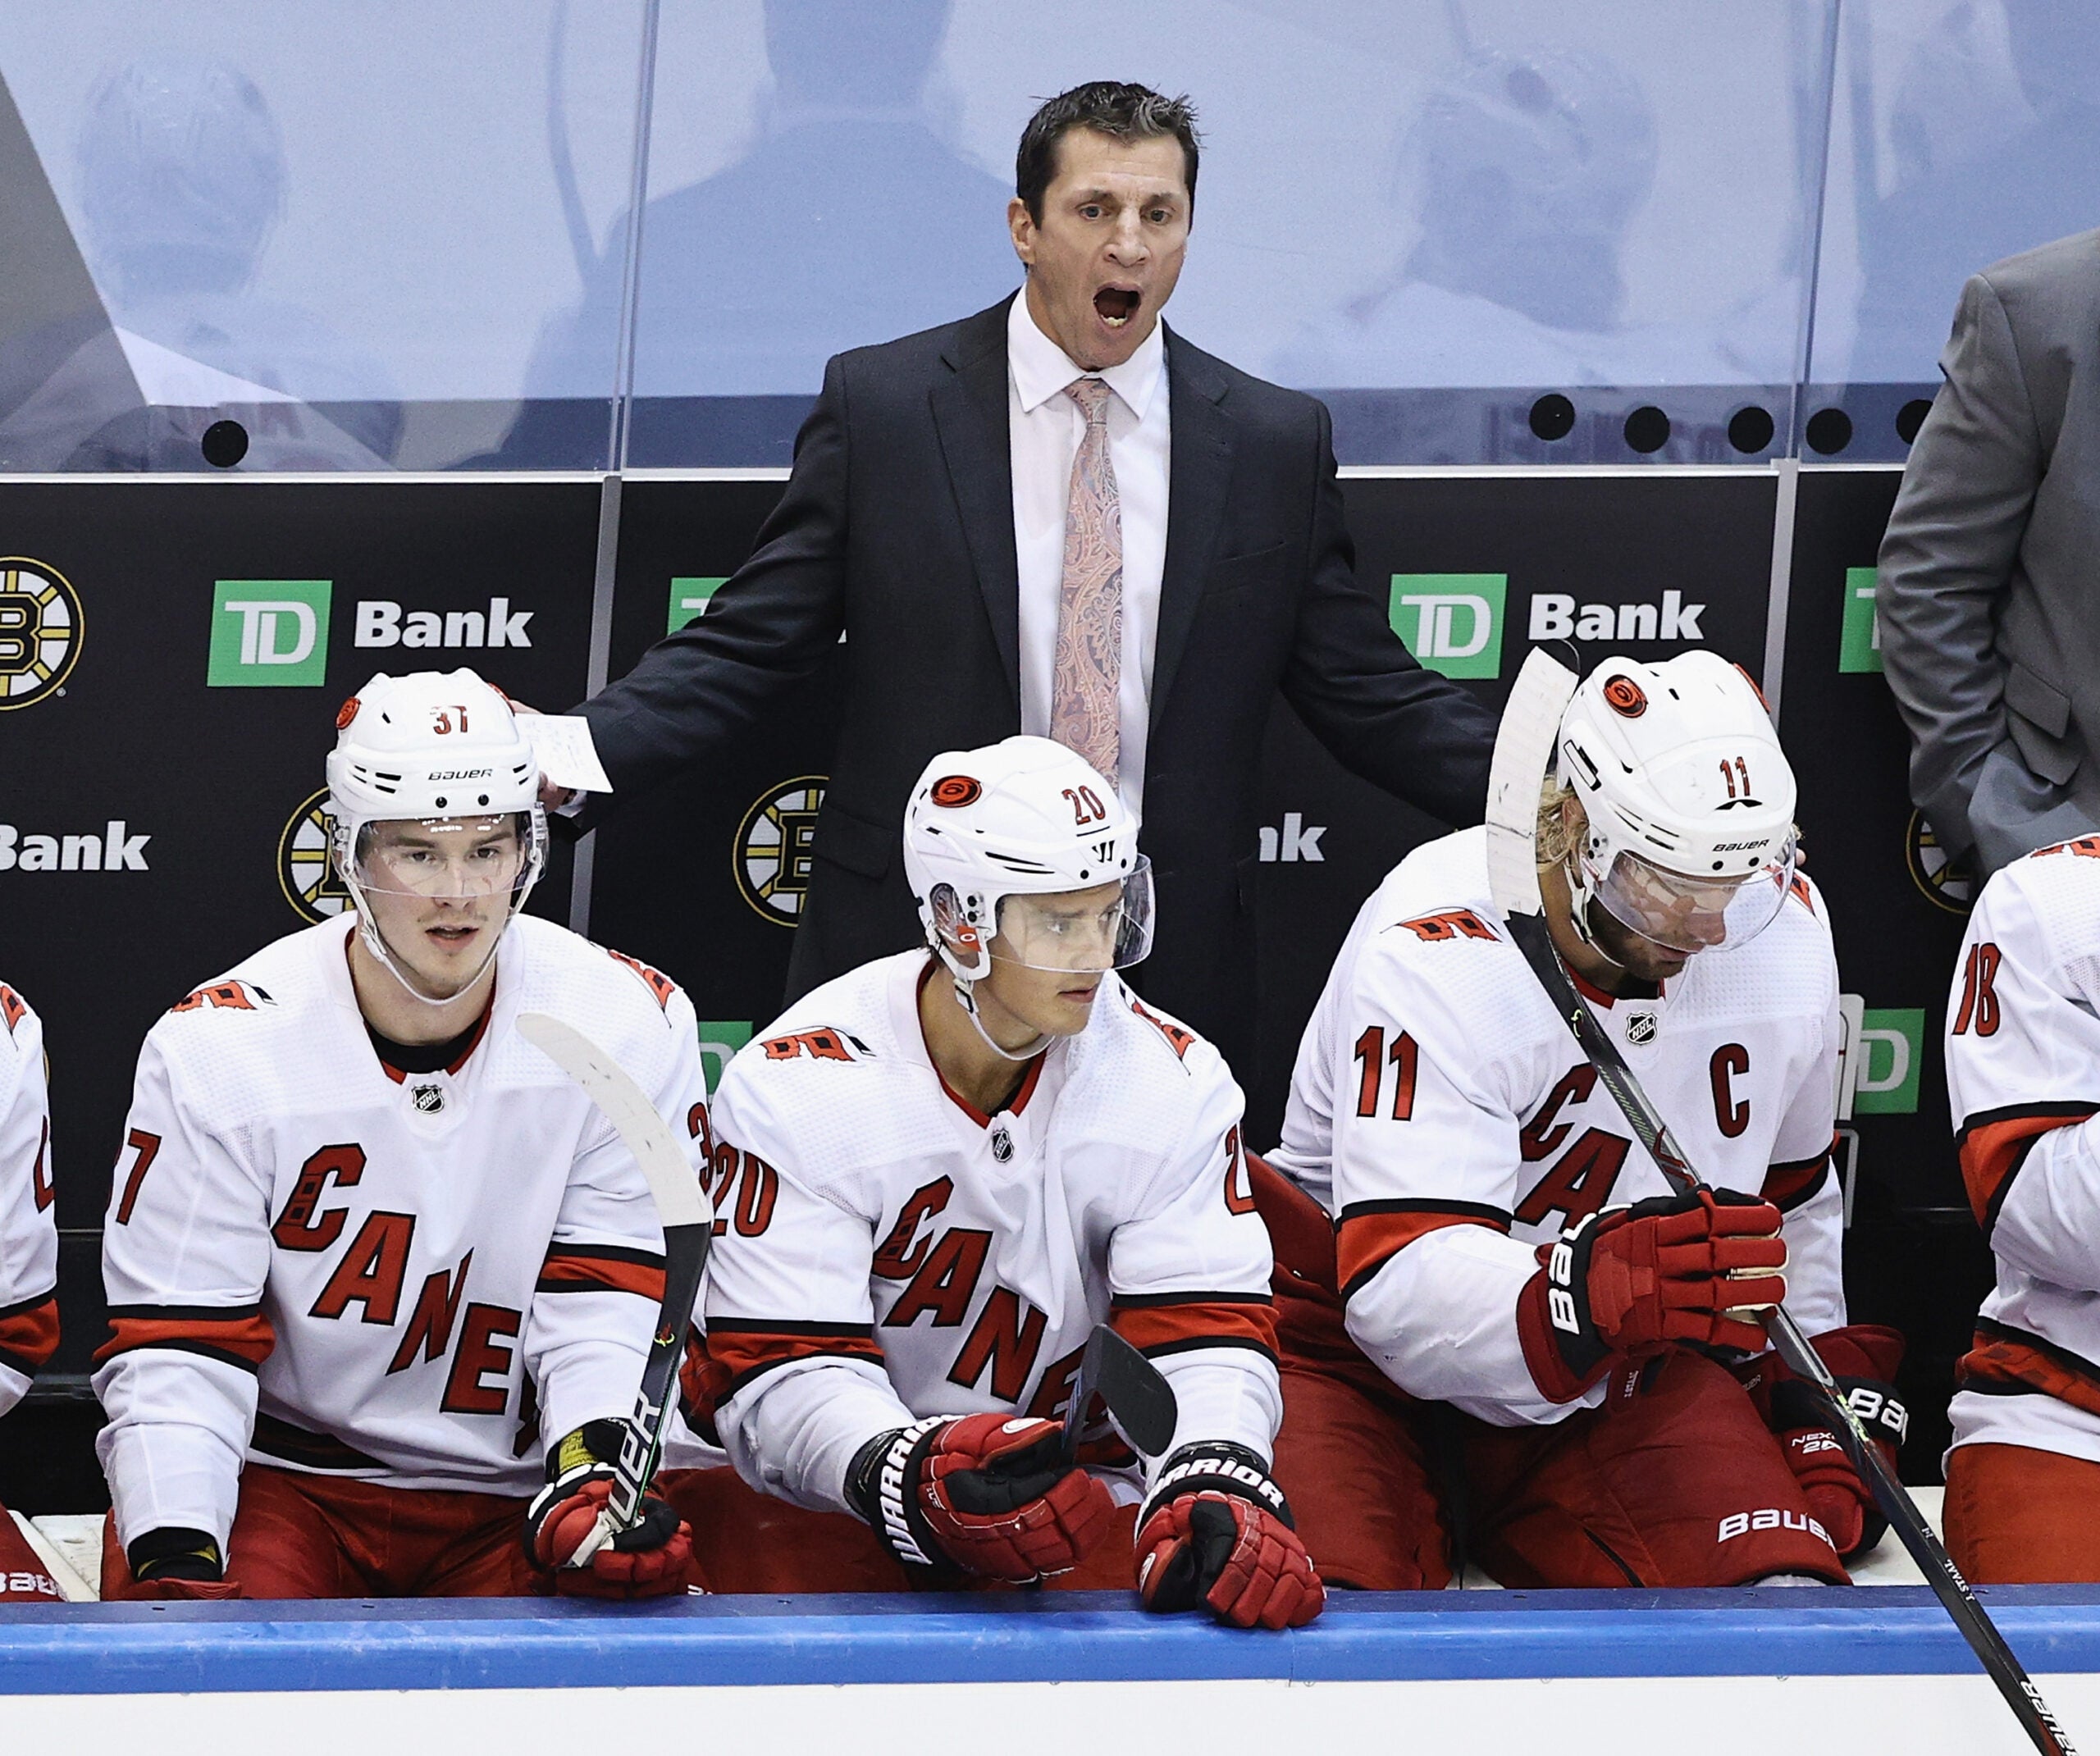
1088, 677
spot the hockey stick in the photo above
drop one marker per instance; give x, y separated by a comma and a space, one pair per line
1139, 1398
1523, 749
688, 1222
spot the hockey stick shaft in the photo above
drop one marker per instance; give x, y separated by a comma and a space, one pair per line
1533, 938
688, 1223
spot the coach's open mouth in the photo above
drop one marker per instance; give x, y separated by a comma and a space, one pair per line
1117, 304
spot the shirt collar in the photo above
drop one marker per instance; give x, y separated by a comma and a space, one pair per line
1041, 369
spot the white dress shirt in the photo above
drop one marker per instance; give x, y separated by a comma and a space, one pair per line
1044, 428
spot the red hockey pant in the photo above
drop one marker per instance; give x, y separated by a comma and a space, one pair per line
24, 1579
745, 1541
297, 1535
2020, 1517
1673, 1481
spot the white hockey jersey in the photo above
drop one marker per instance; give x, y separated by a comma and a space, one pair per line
1442, 1112
28, 1228
2023, 1077
886, 1251
321, 1263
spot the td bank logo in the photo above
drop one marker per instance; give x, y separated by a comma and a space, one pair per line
269, 634
689, 600
1884, 1056
1859, 642
1452, 623
720, 1040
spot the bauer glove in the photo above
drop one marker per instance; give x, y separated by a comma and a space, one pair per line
1862, 1358
1217, 1535
1700, 1268
652, 1559
987, 1494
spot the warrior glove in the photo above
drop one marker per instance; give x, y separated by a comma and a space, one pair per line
1698, 1269
989, 1493
1216, 1534
174, 1563
650, 1560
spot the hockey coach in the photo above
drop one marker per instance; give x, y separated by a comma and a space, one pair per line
1056, 516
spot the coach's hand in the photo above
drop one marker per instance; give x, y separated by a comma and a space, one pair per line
1217, 1535
1700, 1268
989, 1493
651, 1559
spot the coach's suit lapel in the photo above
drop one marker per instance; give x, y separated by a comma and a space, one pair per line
1198, 475
970, 413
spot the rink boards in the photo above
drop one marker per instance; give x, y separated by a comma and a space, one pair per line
1725, 1671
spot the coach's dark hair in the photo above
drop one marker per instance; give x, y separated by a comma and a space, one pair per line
1108, 106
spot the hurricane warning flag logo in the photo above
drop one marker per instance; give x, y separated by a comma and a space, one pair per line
772, 855
309, 881
39, 631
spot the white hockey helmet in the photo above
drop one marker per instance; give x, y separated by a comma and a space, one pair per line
1689, 799
1024, 818
443, 750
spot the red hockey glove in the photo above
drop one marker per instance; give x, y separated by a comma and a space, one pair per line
987, 1494
173, 1562
1862, 1358
651, 1560
1697, 1268
1216, 1533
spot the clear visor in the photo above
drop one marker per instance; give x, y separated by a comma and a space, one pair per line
445, 859
1102, 927
1689, 914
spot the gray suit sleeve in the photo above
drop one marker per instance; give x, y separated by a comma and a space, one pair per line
1949, 550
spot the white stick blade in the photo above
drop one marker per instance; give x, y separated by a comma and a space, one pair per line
1523, 750
627, 1107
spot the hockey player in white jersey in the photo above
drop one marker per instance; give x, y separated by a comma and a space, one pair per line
28, 1256
2023, 1075
936, 1175
370, 1256
1504, 1248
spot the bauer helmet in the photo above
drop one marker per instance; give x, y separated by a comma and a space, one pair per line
1023, 817
443, 750
1690, 802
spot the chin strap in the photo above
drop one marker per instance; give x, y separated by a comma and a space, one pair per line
968, 1001
375, 943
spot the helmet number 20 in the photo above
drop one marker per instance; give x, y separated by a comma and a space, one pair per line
1087, 807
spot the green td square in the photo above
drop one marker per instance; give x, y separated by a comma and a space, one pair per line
1891, 1051
720, 1038
1452, 623
689, 600
269, 634
1859, 647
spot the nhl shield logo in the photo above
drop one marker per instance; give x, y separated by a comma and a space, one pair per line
1940, 881
772, 855
1002, 1145
1641, 1027
304, 872
429, 1099
39, 631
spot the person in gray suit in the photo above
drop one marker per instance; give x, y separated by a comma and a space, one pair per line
1988, 636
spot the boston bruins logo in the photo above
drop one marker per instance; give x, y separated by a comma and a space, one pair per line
771, 856
39, 631
309, 881
1951, 890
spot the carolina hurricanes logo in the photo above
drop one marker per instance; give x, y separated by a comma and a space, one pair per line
1625, 696
956, 789
346, 712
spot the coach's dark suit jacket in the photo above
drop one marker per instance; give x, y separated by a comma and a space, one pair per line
898, 526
